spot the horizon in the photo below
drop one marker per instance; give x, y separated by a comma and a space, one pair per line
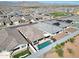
50, 2
25, 3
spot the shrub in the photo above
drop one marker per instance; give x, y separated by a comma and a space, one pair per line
57, 46
62, 43
70, 51
71, 40
60, 52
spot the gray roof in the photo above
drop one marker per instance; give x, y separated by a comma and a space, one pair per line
15, 13
47, 27
15, 18
10, 38
62, 24
31, 32
1, 19
6, 20
28, 17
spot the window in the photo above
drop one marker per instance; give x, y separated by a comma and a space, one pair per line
34, 41
23, 46
47, 36
40, 39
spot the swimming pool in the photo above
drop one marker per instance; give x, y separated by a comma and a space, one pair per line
44, 44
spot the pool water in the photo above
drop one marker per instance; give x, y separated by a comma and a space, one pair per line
44, 44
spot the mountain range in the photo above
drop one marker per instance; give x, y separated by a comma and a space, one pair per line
37, 3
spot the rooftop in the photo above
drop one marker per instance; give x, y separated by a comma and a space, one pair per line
11, 39
31, 32
47, 27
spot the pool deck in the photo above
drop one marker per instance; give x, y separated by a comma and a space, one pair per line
46, 49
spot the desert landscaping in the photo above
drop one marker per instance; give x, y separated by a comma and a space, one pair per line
68, 49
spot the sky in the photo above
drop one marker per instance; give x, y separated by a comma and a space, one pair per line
39, 0
75, 2
62, 2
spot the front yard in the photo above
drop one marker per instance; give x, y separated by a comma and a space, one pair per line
22, 54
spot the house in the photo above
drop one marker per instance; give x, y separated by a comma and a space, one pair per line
10, 38
47, 27
1, 21
15, 20
28, 18
21, 19
41, 16
35, 36
14, 13
31, 33
5, 22
46, 17
8, 21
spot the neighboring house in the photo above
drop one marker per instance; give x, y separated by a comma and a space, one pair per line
41, 16
15, 20
14, 13
1, 22
21, 19
4, 21
37, 16
1, 12
49, 28
10, 38
52, 17
7, 21
28, 18
46, 17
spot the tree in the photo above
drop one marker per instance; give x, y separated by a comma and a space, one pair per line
57, 46
62, 43
71, 40
60, 52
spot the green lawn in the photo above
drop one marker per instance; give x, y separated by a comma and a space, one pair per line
56, 14
22, 53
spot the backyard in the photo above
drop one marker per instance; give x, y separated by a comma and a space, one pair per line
44, 44
67, 49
